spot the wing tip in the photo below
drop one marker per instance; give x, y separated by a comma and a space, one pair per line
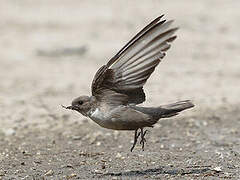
160, 17
172, 30
171, 39
170, 21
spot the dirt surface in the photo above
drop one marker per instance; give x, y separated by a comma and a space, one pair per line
50, 51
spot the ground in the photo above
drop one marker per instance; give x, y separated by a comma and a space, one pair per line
50, 51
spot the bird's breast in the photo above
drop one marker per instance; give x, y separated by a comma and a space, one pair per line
103, 119
98, 116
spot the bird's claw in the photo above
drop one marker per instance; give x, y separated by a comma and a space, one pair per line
142, 141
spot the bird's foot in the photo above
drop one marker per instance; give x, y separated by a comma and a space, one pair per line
143, 140
135, 139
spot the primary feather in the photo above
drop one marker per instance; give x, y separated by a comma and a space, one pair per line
127, 72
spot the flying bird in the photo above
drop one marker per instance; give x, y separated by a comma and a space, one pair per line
117, 87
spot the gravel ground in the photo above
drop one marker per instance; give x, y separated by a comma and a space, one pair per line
50, 51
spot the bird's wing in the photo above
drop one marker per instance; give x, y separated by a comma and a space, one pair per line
121, 80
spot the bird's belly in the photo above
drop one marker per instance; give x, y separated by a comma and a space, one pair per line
105, 120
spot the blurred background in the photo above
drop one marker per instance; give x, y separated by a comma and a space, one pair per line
50, 51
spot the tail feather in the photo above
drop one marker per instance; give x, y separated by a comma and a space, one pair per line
165, 111
170, 110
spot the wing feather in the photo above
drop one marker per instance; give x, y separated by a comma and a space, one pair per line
145, 29
127, 72
141, 43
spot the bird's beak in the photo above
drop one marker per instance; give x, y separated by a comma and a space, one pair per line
69, 107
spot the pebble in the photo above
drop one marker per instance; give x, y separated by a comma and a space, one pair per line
217, 169
118, 155
49, 173
72, 175
77, 137
98, 171
2, 173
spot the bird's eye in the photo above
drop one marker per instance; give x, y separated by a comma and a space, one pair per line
80, 102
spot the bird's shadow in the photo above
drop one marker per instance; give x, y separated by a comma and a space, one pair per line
198, 170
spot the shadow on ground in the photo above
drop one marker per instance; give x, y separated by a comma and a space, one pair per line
191, 170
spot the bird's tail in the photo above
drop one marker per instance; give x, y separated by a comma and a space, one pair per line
170, 110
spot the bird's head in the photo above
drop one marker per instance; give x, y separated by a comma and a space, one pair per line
81, 104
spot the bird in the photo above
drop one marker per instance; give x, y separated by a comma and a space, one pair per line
117, 87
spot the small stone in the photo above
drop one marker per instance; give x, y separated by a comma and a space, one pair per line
205, 123
69, 166
108, 134
37, 161
118, 155
49, 173
2, 173
72, 175
217, 169
97, 171
76, 137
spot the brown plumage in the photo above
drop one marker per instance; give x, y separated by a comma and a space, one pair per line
117, 87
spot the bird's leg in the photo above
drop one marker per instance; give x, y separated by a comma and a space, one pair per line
143, 140
135, 139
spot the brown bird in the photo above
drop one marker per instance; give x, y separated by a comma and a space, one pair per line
117, 87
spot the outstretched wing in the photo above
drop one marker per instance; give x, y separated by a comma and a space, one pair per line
121, 80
